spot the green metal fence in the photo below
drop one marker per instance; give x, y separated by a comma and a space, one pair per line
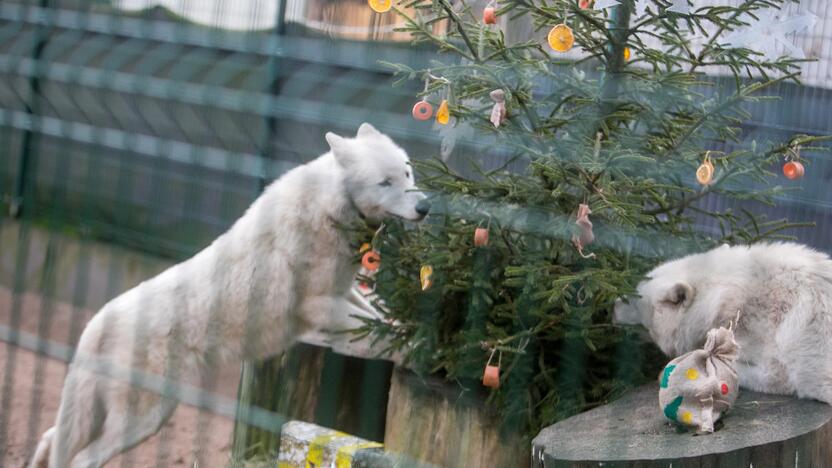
140, 131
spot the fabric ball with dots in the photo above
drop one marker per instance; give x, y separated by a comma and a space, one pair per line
698, 387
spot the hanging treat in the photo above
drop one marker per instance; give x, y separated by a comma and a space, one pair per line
491, 375
489, 15
363, 286
371, 260
705, 173
584, 4
561, 38
586, 236
422, 110
498, 112
793, 170
426, 276
443, 115
626, 54
380, 6
481, 237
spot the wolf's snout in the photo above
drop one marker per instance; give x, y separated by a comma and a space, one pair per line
423, 208
626, 312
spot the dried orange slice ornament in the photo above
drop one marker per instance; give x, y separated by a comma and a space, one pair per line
705, 172
425, 276
627, 54
443, 114
380, 6
561, 38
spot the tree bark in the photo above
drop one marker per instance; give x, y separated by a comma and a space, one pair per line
431, 421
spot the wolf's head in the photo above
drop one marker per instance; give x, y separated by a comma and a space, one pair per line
378, 177
682, 299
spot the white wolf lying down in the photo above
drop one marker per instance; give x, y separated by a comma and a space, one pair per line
283, 270
783, 292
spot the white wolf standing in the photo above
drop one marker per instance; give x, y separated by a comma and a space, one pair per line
783, 292
283, 270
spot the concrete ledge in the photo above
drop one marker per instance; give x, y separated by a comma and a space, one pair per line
761, 431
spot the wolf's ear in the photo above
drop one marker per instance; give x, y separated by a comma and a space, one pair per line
366, 130
679, 294
335, 141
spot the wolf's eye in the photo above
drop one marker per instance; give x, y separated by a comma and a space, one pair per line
407, 174
386, 183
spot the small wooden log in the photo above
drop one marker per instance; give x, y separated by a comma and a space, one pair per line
431, 421
763, 431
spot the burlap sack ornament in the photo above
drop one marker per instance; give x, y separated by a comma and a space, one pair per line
697, 388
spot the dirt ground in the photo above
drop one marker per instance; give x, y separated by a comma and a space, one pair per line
35, 389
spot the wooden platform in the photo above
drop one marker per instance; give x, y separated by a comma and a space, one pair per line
763, 431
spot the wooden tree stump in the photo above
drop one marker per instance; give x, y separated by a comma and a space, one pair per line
763, 431
430, 421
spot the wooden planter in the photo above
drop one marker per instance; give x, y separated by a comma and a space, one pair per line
312, 384
429, 420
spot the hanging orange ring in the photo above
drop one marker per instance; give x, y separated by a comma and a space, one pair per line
422, 110
371, 260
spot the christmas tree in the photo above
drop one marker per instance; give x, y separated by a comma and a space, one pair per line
619, 135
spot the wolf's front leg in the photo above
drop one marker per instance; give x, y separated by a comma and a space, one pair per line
329, 319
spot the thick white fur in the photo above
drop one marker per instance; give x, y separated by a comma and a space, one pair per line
783, 292
283, 271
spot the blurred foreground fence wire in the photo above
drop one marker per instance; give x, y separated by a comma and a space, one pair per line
136, 128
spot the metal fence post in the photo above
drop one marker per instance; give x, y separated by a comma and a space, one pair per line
28, 156
260, 381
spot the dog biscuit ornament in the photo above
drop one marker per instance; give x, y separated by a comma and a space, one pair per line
586, 236
498, 112
697, 388
793, 169
491, 374
489, 15
371, 260
481, 237
422, 110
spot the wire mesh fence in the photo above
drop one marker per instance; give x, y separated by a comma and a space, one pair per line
133, 133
